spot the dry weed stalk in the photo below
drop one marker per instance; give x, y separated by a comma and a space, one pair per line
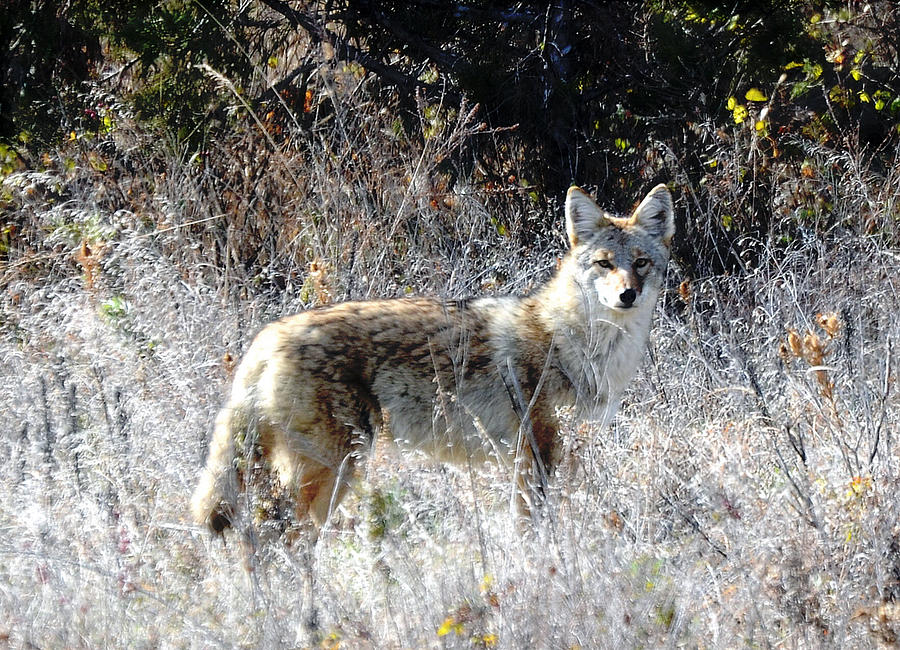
813, 349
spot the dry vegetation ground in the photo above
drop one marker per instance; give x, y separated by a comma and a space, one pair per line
746, 495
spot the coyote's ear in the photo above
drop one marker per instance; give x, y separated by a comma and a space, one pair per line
583, 216
655, 214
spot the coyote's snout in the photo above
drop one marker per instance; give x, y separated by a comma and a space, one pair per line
458, 379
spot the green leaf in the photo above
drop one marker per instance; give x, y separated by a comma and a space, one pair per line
800, 88
96, 162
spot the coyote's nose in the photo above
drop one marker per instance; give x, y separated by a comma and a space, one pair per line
628, 297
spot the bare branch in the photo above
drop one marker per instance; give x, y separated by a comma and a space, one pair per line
346, 51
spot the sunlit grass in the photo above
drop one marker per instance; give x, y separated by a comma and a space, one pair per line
745, 496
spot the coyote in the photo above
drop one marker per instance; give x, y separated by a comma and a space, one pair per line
460, 380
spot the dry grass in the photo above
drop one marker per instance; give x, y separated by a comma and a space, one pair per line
746, 495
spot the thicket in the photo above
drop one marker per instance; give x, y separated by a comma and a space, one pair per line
615, 96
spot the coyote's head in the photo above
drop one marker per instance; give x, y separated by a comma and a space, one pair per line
619, 260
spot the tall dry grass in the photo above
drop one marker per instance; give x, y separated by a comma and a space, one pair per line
745, 495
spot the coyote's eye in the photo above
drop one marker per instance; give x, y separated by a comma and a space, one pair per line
604, 264
641, 263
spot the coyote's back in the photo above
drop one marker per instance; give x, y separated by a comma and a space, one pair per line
474, 378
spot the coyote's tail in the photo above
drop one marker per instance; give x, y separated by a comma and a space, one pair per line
215, 499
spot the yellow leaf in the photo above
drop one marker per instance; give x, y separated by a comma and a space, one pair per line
856, 74
740, 113
792, 65
446, 626
96, 162
755, 95
760, 125
731, 103
864, 97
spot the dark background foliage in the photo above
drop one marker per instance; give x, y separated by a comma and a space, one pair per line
613, 95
